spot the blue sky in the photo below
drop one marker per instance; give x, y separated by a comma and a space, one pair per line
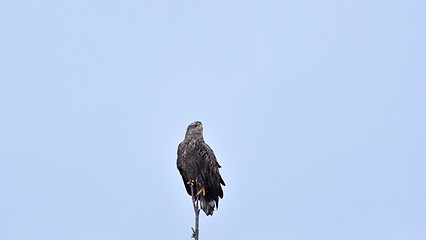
315, 110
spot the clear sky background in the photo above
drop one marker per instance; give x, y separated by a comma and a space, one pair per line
316, 111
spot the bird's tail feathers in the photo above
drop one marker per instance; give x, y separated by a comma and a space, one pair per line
207, 206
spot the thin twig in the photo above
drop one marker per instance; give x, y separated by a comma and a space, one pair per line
195, 232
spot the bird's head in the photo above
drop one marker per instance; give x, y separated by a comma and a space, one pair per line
195, 129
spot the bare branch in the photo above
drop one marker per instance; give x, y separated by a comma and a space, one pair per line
195, 232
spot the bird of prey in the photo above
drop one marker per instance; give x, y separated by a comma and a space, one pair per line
199, 168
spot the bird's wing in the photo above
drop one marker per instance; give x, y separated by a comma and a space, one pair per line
210, 171
180, 167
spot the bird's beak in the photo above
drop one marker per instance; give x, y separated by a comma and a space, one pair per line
200, 127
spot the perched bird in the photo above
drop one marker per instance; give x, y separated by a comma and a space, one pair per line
198, 166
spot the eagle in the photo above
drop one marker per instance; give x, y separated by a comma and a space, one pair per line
199, 168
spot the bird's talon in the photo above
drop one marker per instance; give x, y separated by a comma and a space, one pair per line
201, 191
191, 182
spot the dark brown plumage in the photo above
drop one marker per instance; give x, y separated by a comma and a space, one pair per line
196, 162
